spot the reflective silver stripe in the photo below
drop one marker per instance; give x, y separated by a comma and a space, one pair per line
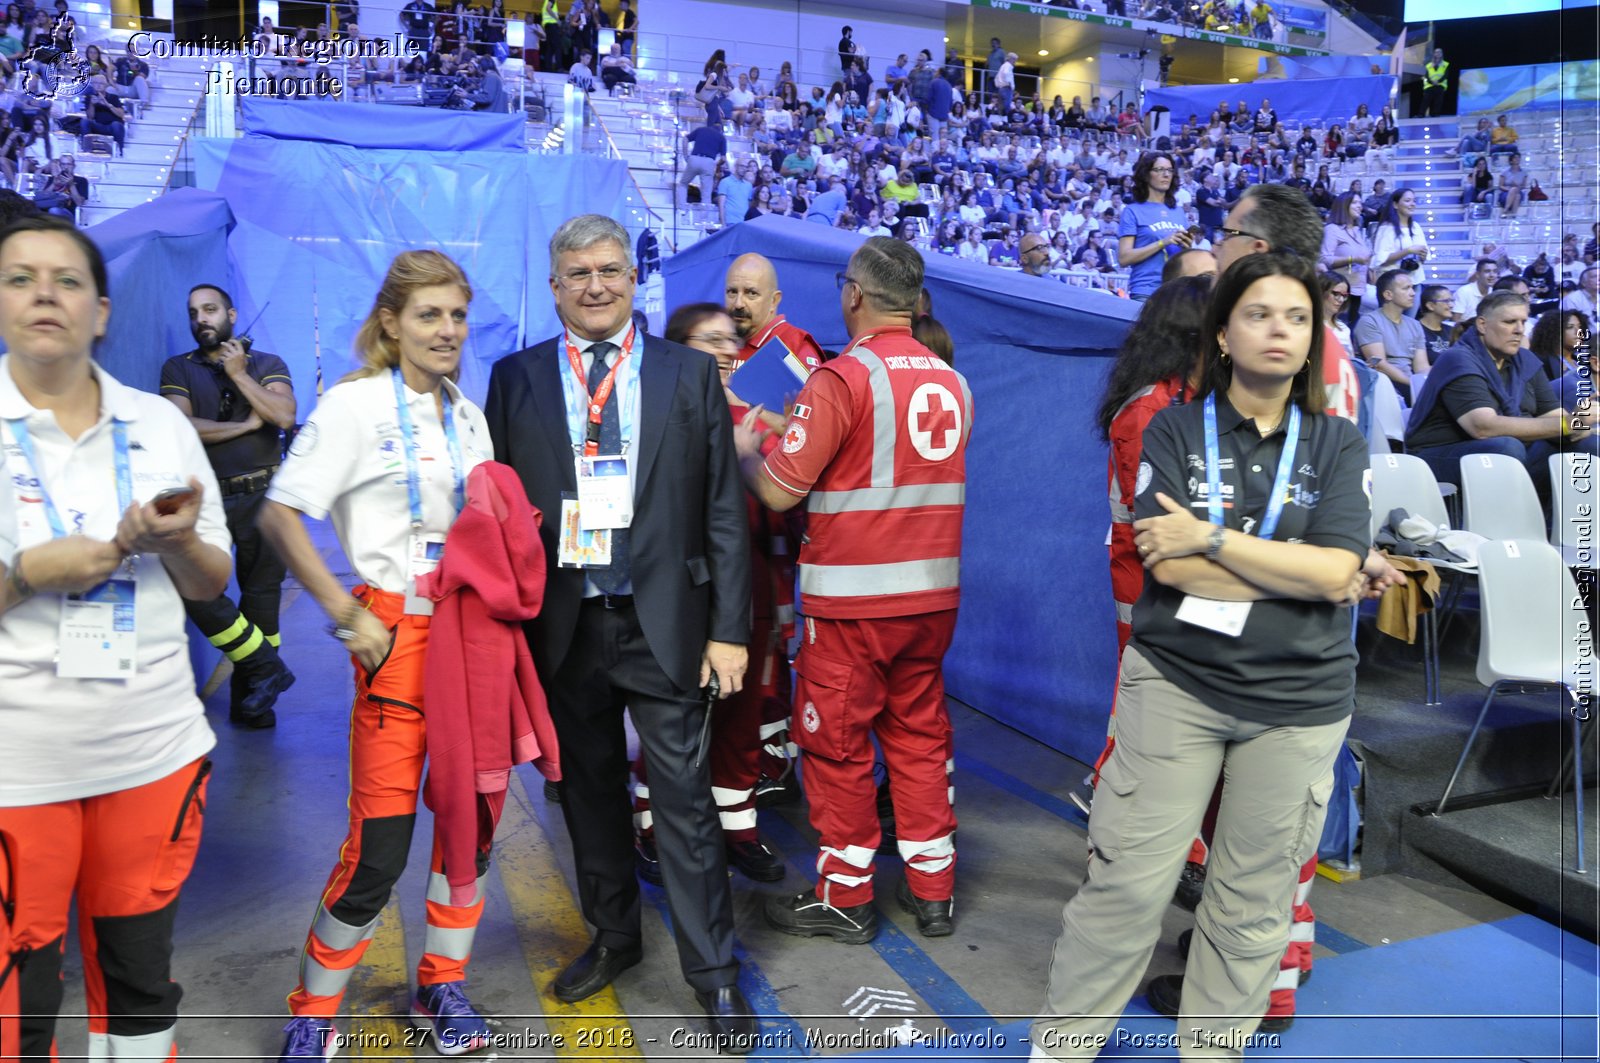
883, 417
866, 499
439, 890
337, 934
770, 729
1120, 514
155, 1047
1125, 612
862, 581
453, 943
727, 796
320, 981
744, 819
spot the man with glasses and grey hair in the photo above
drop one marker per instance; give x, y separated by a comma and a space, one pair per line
625, 444
876, 448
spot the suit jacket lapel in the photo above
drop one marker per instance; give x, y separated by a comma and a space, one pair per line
658, 380
550, 406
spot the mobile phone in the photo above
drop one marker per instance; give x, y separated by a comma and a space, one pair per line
171, 500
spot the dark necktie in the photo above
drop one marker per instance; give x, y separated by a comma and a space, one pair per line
616, 574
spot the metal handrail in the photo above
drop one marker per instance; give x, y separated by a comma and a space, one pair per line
614, 152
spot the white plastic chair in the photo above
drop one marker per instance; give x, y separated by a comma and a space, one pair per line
1404, 481
1575, 505
1500, 502
1532, 632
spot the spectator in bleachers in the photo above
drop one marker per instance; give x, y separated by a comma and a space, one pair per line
617, 69
1005, 80
1473, 144
1007, 251
1502, 137
1335, 300
103, 112
1390, 339
581, 74
972, 248
132, 74
1400, 242
1465, 305
1487, 395
1435, 306
1151, 228
1098, 117
64, 190
873, 224
95, 62
13, 33
1541, 279
1333, 146
1564, 346
1345, 249
1584, 297
703, 146
1570, 268
416, 22
1513, 186
1385, 131
734, 193
1374, 205
761, 204
1478, 184
800, 163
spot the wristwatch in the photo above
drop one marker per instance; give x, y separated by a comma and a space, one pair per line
1214, 543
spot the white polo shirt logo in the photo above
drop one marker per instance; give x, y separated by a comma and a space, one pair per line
934, 422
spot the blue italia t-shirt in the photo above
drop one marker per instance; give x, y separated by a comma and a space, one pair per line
1147, 223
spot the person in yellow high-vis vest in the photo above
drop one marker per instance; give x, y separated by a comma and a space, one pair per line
1435, 75
549, 43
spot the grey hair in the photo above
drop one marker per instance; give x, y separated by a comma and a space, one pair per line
584, 231
889, 272
1497, 300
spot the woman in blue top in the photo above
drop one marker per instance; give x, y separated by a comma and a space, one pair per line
1153, 229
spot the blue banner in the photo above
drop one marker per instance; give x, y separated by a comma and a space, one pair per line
1317, 101
374, 125
1540, 86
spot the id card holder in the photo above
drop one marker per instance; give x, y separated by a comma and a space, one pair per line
1225, 618
576, 548
424, 555
97, 638
605, 492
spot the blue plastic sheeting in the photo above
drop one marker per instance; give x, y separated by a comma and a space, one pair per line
154, 254
1035, 646
318, 224
1297, 68
373, 125
1540, 86
1318, 101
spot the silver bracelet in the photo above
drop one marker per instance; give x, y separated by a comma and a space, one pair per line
21, 589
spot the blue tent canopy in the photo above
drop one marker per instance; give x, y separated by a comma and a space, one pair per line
1036, 643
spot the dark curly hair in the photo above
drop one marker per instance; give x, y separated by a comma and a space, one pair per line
1141, 177
1164, 342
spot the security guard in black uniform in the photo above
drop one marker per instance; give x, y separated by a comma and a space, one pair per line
240, 401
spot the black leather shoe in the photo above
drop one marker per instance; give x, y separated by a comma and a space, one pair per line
806, 915
1275, 1024
1191, 885
591, 972
256, 722
933, 917
732, 1023
645, 860
756, 861
264, 694
1165, 994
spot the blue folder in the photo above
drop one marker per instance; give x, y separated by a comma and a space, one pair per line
770, 377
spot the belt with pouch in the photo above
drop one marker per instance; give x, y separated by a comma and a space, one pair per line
246, 483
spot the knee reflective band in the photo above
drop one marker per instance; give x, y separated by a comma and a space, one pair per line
642, 820
733, 816
151, 1047
239, 640
450, 942
857, 856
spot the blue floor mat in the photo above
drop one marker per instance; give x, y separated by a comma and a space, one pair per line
1517, 989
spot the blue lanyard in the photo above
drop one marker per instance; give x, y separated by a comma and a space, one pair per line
413, 474
119, 441
1280, 483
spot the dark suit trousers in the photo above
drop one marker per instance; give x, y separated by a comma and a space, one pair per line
608, 668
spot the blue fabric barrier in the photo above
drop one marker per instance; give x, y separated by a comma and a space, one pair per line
1313, 100
376, 125
1036, 643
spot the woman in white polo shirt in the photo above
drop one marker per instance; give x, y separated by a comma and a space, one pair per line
103, 770
386, 454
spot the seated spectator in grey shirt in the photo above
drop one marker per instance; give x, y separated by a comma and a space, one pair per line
1392, 342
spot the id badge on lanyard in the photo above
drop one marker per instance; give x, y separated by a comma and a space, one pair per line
604, 499
97, 636
1228, 618
424, 550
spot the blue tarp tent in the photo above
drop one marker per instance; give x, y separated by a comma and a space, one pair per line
1036, 643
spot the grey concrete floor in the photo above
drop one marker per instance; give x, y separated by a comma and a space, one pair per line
276, 815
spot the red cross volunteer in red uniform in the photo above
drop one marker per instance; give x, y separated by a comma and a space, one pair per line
751, 295
876, 446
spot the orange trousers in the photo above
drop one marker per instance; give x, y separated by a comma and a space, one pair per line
125, 855
388, 747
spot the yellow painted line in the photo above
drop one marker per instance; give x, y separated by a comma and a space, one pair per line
380, 995
552, 932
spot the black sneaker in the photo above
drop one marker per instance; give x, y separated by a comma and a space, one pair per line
933, 917
784, 791
1165, 994
264, 691
805, 915
645, 860
1275, 1024
1191, 884
755, 860
552, 792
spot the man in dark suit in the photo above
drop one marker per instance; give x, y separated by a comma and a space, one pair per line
649, 620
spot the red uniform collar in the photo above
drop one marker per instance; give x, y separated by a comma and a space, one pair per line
759, 339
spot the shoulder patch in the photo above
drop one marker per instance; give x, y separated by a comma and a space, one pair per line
794, 438
1146, 474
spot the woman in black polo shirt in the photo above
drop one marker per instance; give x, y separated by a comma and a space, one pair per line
1252, 522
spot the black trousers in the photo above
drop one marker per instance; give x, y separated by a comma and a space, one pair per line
260, 573
1433, 100
610, 668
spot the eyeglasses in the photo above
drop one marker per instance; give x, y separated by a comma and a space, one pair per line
577, 280
842, 278
1160, 169
1338, 297
1229, 234
714, 339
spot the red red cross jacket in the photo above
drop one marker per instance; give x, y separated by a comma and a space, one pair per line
484, 707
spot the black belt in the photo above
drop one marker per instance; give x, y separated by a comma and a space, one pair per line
246, 483
611, 601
